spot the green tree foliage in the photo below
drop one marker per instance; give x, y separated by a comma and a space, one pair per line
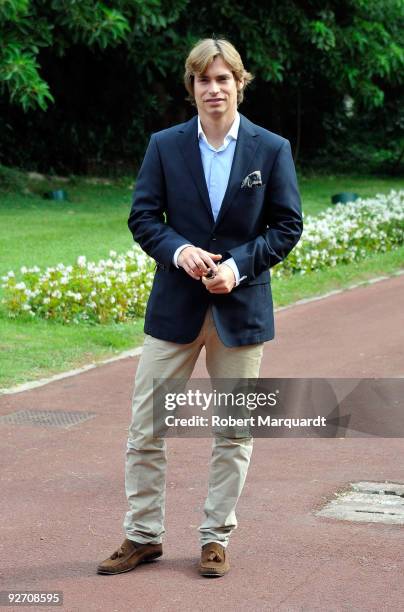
26, 26
308, 56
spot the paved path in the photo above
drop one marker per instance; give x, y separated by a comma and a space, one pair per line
63, 492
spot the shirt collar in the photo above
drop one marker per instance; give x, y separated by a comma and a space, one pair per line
231, 134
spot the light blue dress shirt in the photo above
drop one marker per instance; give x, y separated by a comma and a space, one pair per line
217, 166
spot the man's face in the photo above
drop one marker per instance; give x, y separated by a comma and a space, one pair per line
215, 91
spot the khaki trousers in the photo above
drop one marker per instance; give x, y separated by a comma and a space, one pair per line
146, 455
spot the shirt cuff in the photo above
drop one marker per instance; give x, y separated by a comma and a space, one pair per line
232, 264
177, 252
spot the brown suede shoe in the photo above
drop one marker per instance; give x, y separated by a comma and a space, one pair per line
214, 560
128, 556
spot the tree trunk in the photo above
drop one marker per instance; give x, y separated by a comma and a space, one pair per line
298, 125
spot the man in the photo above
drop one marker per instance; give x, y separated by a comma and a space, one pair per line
216, 205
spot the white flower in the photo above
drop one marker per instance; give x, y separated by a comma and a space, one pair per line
81, 261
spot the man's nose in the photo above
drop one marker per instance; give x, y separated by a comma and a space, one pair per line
214, 88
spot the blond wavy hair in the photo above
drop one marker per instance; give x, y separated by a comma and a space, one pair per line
203, 54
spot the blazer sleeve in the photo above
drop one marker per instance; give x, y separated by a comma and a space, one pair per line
284, 222
147, 216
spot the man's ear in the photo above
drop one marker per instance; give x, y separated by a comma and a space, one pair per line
240, 84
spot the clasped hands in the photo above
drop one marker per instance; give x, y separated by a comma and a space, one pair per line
196, 262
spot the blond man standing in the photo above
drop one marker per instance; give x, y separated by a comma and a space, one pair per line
219, 194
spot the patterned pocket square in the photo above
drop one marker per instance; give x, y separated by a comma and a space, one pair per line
252, 180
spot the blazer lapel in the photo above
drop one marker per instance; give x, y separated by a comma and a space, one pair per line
247, 143
189, 146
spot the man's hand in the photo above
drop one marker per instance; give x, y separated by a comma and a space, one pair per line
223, 282
196, 261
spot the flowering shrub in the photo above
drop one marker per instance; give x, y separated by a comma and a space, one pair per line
113, 290
117, 289
347, 232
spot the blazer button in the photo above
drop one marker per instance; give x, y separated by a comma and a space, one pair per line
213, 237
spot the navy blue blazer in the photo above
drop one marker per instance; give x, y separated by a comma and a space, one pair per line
257, 226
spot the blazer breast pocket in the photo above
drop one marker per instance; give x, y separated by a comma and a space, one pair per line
252, 192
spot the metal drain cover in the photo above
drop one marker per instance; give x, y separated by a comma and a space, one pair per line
46, 418
376, 502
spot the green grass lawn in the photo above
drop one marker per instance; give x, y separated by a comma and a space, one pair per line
288, 291
32, 349
46, 232
316, 191
42, 232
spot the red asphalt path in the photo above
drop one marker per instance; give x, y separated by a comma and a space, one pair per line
63, 490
